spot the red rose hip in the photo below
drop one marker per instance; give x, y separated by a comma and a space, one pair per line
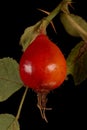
43, 68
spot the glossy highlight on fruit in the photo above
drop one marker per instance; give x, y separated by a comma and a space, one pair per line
42, 68
42, 65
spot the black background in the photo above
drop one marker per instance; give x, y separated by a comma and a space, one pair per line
69, 102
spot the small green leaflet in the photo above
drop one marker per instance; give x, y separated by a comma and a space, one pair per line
8, 122
74, 25
77, 63
29, 35
10, 80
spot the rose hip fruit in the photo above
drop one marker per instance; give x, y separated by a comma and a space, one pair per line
43, 68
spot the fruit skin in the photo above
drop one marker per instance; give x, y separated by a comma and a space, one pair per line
42, 66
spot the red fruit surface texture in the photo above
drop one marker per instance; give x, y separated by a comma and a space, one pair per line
42, 66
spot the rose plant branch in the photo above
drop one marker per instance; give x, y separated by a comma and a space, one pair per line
42, 66
62, 6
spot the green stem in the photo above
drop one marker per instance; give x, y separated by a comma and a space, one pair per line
54, 12
60, 6
21, 104
49, 18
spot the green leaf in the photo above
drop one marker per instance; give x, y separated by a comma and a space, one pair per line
10, 80
8, 122
77, 62
30, 33
74, 25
